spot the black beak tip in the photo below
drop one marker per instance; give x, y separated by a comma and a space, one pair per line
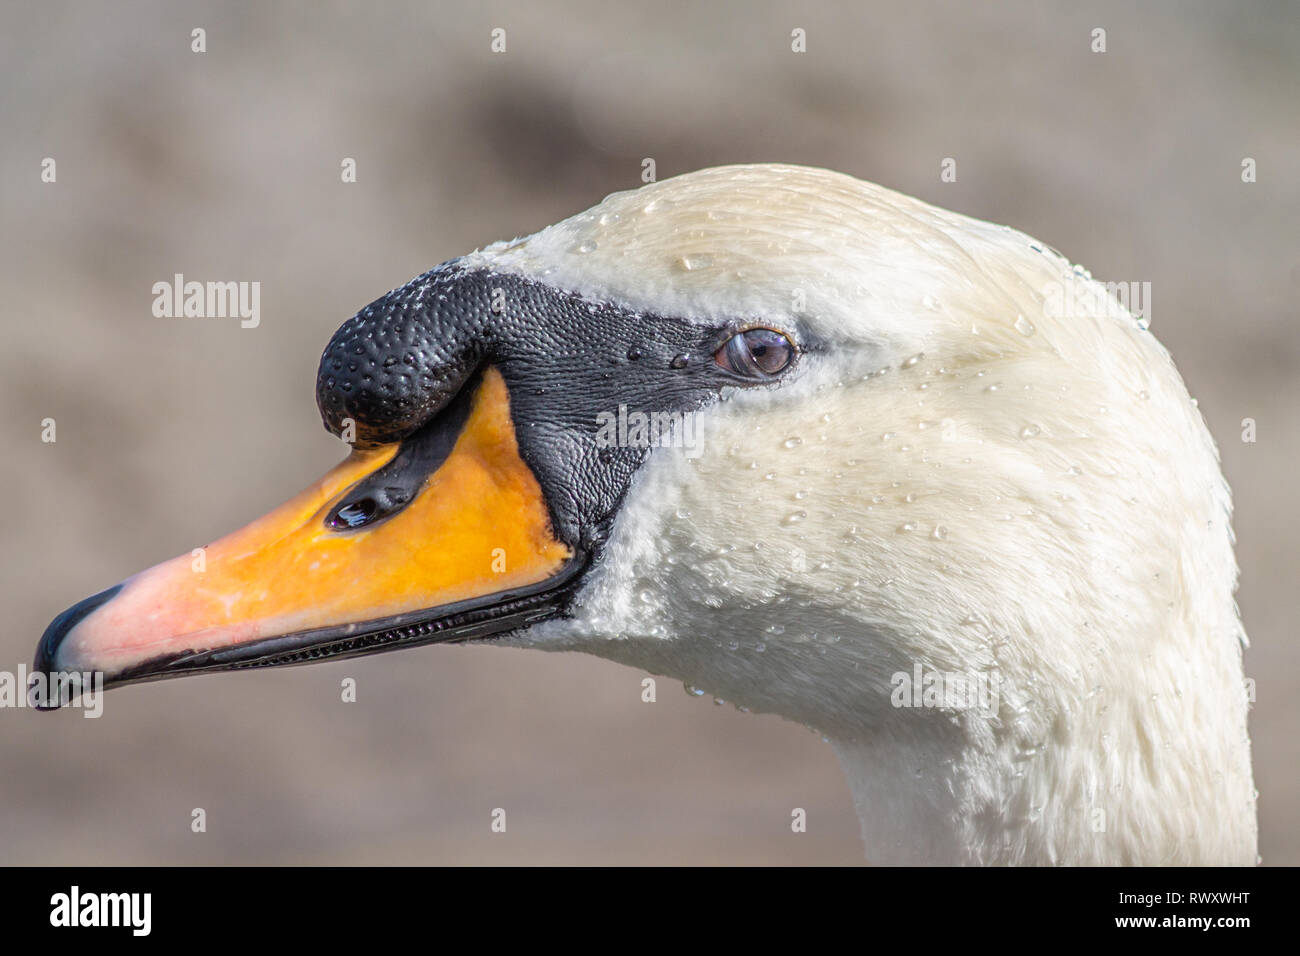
47, 651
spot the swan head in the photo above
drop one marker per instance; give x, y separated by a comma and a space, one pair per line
894, 445
972, 462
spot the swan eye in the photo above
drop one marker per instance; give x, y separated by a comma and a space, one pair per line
756, 353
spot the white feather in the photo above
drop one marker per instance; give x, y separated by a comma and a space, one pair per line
962, 478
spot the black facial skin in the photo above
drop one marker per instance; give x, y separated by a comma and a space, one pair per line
565, 359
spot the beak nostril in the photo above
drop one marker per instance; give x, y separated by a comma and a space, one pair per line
358, 512
353, 515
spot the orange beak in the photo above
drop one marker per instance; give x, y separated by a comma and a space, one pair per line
352, 565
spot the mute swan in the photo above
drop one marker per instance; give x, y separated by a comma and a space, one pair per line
897, 463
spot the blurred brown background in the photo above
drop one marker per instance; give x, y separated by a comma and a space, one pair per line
225, 165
